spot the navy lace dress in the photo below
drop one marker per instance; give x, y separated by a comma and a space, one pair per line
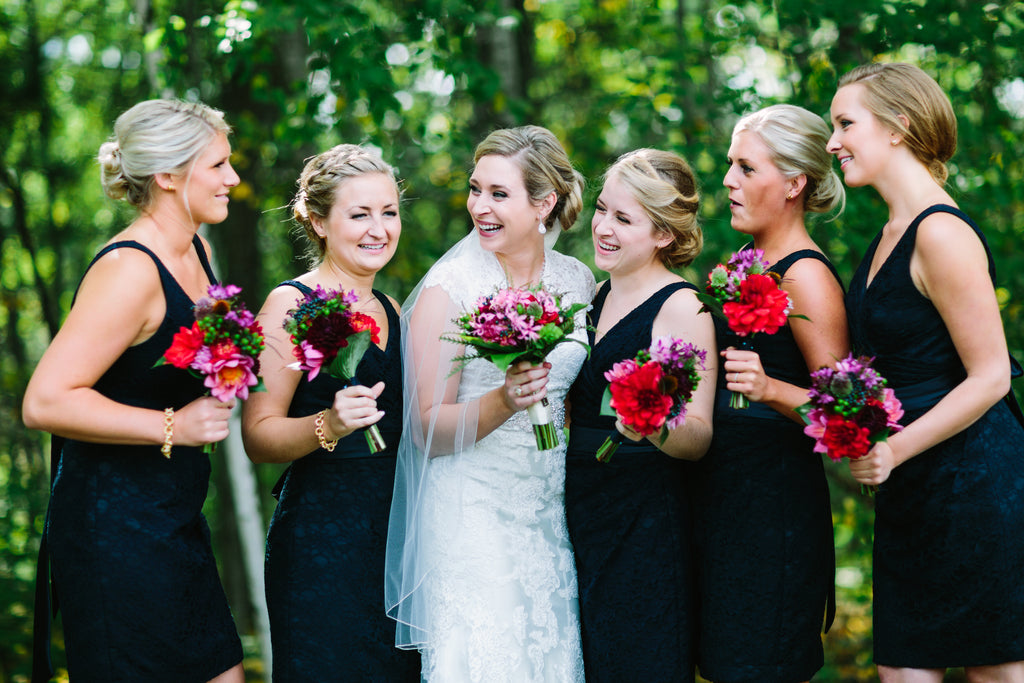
129, 547
764, 529
949, 522
630, 527
325, 546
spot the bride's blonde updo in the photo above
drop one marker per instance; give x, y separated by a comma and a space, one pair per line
664, 185
318, 188
546, 168
155, 136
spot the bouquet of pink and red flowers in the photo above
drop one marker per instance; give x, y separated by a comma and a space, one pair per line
850, 409
747, 296
328, 334
223, 345
513, 325
650, 392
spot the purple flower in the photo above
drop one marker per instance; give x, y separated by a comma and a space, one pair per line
243, 317
219, 291
747, 261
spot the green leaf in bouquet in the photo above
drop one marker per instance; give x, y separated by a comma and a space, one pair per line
606, 402
804, 410
711, 304
344, 364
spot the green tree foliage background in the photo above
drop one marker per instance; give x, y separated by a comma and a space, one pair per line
424, 80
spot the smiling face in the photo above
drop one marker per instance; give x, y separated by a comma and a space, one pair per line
625, 239
503, 215
363, 227
757, 188
859, 140
209, 182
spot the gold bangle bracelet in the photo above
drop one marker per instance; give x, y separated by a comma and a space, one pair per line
321, 436
165, 450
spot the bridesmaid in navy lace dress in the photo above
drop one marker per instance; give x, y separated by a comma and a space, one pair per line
629, 519
949, 513
763, 518
325, 547
133, 571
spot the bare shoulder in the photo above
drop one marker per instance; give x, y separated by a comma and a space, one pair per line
811, 279
125, 275
945, 237
682, 302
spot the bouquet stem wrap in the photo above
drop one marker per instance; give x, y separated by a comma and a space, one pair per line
543, 430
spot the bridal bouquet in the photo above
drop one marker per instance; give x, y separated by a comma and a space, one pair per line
514, 325
850, 409
748, 297
328, 334
650, 392
223, 345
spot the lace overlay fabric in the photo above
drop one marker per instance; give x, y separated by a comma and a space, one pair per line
485, 583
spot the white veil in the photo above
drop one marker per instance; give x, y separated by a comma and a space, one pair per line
439, 417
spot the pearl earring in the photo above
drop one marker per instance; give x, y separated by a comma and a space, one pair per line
541, 228
170, 188
894, 142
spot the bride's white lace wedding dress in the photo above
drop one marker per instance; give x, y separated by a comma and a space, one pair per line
489, 586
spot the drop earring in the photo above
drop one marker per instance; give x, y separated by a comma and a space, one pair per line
541, 228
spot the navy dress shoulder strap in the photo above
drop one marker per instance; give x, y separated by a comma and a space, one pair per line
784, 263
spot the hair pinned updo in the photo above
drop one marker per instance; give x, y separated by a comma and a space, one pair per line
155, 136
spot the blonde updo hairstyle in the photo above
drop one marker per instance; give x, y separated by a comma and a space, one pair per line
318, 188
664, 185
546, 168
155, 136
797, 141
894, 90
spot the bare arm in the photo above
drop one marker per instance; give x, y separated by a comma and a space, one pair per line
822, 339
679, 317
950, 267
120, 304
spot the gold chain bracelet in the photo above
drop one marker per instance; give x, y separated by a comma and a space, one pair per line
321, 436
165, 450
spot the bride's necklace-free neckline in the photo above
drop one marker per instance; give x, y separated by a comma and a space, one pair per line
533, 281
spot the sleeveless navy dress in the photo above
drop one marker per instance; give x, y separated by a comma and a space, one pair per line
325, 547
764, 528
949, 522
630, 527
129, 547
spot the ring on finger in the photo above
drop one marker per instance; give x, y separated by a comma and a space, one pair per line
518, 391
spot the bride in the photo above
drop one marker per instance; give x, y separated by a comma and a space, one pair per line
480, 569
